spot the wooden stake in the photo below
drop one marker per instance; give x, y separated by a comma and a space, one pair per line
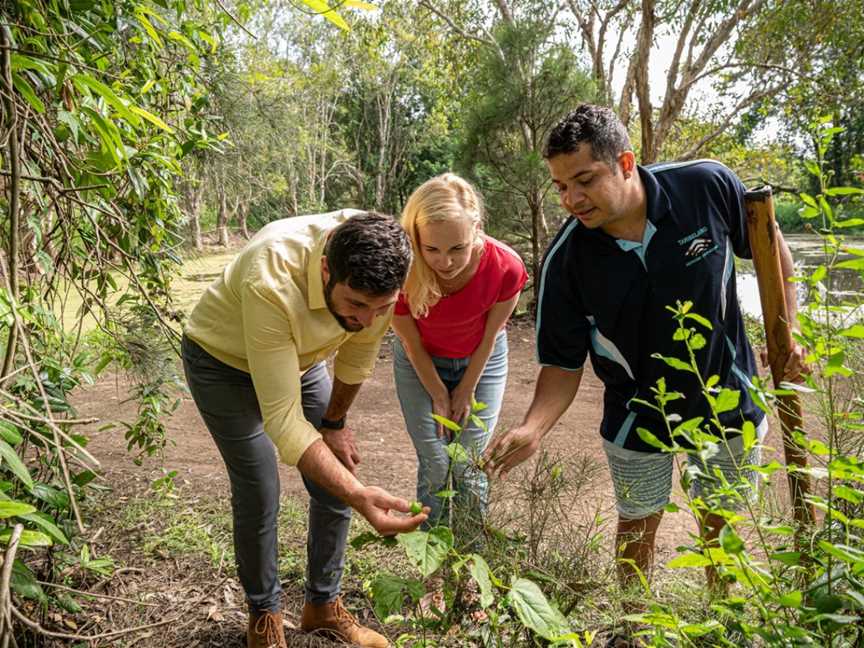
762, 230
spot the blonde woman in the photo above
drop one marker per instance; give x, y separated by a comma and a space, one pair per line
451, 343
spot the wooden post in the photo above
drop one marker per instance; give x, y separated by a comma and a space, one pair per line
762, 230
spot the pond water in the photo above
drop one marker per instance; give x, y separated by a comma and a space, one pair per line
808, 253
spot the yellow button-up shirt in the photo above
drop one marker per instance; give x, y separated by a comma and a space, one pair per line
266, 315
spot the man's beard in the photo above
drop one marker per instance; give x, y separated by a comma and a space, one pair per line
343, 321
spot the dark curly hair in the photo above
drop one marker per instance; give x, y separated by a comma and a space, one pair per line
370, 252
595, 125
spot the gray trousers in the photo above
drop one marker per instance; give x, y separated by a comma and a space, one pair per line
226, 399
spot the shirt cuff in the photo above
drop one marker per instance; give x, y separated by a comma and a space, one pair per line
292, 446
350, 374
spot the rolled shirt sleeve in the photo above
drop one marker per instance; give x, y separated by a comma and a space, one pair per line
274, 367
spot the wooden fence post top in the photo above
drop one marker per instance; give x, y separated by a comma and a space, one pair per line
760, 194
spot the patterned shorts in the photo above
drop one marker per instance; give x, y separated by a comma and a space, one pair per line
643, 480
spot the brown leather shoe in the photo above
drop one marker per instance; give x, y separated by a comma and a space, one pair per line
334, 620
265, 630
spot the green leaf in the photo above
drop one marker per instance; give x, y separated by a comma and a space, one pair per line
83, 478
388, 593
26, 91
477, 406
675, 363
321, 7
447, 423
10, 508
808, 199
649, 438
854, 331
534, 610
843, 552
427, 549
457, 453
697, 341
727, 400
85, 80
748, 436
818, 274
68, 603
446, 494
24, 582
696, 317
790, 558
358, 4
153, 119
13, 461
808, 212
791, 599
45, 522
365, 538
55, 497
851, 264
731, 541
28, 538
482, 575
148, 27
844, 191
689, 561
849, 222
9, 433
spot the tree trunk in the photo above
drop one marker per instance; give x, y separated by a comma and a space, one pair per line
537, 225
222, 218
193, 206
643, 94
242, 216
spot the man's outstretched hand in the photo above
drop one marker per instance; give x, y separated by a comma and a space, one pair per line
376, 504
508, 450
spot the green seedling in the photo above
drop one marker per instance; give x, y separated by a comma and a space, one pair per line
416, 508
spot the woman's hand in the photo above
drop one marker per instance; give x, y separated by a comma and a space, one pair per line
460, 403
441, 407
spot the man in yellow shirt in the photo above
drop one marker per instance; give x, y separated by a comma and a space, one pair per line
253, 351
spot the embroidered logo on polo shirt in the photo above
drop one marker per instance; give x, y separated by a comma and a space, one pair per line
698, 246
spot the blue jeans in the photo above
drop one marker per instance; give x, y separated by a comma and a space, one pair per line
433, 462
226, 399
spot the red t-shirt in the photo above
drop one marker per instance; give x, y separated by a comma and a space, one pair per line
454, 326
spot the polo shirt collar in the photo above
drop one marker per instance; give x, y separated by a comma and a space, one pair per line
657, 200
314, 281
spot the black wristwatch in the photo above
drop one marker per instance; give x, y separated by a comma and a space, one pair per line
330, 424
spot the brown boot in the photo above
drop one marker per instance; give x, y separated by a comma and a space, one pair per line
265, 630
333, 619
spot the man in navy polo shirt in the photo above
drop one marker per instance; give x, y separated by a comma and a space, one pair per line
639, 240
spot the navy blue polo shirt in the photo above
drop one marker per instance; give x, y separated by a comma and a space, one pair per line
607, 298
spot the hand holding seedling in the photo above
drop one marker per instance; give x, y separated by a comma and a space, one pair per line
341, 443
375, 505
508, 450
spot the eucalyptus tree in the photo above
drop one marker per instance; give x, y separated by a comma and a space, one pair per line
822, 57
524, 83
402, 102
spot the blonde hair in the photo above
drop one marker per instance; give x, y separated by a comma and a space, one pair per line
442, 198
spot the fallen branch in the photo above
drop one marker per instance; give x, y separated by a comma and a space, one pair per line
33, 625
5, 594
94, 595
